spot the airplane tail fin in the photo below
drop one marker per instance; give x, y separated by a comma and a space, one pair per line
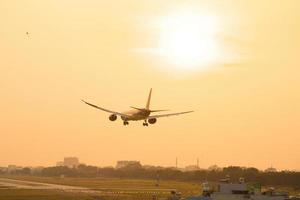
148, 105
149, 99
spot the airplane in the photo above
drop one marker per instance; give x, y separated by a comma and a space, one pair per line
137, 113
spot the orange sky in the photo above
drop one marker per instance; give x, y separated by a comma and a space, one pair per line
247, 102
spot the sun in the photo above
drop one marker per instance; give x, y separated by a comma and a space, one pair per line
188, 40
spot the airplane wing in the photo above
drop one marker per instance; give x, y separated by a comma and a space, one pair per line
170, 114
106, 110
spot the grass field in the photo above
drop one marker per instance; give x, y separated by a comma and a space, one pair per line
112, 188
111, 184
25, 194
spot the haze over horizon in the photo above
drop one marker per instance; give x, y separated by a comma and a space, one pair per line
173, 165
235, 63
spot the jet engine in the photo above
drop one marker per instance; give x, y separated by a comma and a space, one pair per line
112, 117
152, 121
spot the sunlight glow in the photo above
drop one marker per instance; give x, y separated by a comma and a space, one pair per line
188, 40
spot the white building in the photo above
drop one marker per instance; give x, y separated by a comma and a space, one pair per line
128, 163
71, 162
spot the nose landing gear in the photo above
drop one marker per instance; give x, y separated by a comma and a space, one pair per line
125, 123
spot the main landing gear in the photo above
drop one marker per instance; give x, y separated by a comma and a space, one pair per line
145, 123
125, 123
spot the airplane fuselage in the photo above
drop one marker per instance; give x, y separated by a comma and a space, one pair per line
134, 115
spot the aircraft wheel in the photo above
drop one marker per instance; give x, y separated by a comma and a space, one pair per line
125, 123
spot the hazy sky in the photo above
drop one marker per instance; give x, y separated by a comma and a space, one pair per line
239, 70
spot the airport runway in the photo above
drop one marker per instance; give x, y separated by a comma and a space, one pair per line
20, 184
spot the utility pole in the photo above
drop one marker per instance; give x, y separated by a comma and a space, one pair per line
157, 178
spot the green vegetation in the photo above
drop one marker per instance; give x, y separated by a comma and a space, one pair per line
283, 178
25, 194
251, 174
126, 186
141, 183
111, 189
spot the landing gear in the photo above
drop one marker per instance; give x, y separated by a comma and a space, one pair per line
145, 123
125, 123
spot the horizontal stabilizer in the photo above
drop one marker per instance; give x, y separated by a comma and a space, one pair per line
141, 109
158, 110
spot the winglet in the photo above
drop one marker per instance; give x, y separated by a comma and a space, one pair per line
85, 101
149, 99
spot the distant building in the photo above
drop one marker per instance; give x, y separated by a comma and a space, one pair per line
214, 168
36, 170
3, 169
191, 168
271, 169
128, 164
60, 163
71, 162
152, 167
13, 168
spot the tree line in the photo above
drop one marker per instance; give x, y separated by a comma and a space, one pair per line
286, 178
